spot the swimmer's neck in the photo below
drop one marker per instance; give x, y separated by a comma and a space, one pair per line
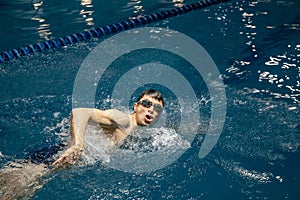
133, 120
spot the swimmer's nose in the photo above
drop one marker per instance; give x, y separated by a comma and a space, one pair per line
151, 110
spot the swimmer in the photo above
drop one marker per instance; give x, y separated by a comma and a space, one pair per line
116, 126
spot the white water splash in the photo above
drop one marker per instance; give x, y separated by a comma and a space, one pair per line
143, 149
97, 145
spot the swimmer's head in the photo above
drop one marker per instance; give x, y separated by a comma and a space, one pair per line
152, 93
148, 107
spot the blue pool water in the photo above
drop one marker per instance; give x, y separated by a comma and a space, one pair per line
256, 47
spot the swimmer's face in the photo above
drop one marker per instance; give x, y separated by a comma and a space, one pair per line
147, 110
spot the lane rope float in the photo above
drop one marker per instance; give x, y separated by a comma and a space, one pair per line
105, 30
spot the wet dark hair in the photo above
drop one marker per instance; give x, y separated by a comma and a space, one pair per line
152, 93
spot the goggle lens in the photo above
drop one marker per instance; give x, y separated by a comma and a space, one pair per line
147, 104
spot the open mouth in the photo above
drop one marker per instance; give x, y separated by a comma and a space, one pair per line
148, 118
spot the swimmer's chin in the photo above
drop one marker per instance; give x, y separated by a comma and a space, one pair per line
148, 124
144, 124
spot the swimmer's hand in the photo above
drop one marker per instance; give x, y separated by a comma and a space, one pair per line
70, 157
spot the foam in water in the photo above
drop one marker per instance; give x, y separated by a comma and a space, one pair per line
145, 149
97, 145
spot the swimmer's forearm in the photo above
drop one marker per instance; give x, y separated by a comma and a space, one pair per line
79, 120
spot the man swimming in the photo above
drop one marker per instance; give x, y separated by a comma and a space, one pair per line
116, 125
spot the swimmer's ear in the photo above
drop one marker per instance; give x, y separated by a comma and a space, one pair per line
134, 107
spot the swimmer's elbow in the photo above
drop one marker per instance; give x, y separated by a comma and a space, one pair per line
82, 113
75, 110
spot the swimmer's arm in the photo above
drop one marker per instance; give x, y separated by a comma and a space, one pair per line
105, 118
79, 119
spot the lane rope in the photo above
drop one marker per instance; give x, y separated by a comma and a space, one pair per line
105, 30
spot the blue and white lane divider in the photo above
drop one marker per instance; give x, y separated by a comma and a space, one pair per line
103, 31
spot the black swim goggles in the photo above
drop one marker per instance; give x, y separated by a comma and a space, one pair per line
147, 104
